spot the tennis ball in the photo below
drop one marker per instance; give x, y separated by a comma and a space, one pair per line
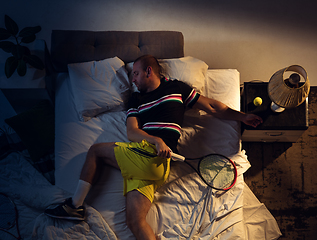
257, 101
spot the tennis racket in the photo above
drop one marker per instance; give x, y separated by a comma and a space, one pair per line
8, 215
216, 170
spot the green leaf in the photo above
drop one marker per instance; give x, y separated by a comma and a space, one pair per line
18, 51
7, 46
21, 69
11, 25
4, 34
29, 31
10, 66
34, 61
26, 51
28, 39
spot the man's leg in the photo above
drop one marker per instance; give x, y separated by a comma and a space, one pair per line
98, 154
137, 208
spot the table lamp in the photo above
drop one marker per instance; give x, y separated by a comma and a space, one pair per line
288, 92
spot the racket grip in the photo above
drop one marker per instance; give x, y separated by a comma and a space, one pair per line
177, 157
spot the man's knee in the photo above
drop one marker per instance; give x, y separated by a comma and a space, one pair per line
96, 149
92, 149
101, 148
103, 152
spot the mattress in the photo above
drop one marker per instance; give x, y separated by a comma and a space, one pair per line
183, 208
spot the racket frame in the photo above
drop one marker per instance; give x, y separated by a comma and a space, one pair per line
177, 157
232, 163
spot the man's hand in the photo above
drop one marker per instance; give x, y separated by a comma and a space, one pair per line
162, 149
252, 120
136, 134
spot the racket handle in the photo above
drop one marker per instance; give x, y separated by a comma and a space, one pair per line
177, 157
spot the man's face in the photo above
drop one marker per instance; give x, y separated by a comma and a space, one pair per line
139, 77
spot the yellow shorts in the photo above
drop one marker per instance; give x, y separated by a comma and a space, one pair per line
141, 168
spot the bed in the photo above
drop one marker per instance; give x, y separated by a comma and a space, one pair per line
92, 85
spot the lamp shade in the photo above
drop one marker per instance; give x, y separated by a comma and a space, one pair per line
283, 95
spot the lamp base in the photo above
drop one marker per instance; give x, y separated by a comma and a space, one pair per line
276, 108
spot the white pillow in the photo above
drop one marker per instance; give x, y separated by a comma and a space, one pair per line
99, 86
186, 69
224, 86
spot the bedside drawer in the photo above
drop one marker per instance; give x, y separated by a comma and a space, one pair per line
271, 135
286, 126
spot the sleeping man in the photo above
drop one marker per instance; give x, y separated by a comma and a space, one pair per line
154, 119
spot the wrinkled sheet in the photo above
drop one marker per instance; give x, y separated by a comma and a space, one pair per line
184, 208
32, 193
199, 218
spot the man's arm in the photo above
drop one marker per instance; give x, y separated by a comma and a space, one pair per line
136, 134
220, 110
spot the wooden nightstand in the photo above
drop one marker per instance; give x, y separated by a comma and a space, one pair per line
286, 126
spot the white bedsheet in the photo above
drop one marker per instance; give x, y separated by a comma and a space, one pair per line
32, 193
184, 208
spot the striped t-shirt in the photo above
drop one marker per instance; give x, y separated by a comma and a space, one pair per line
161, 112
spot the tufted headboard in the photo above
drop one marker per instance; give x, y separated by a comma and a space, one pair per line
73, 46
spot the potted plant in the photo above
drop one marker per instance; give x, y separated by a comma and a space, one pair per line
21, 55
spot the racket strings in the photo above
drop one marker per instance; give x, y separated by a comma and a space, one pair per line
217, 171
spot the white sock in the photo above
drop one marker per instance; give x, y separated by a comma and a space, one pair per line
81, 193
